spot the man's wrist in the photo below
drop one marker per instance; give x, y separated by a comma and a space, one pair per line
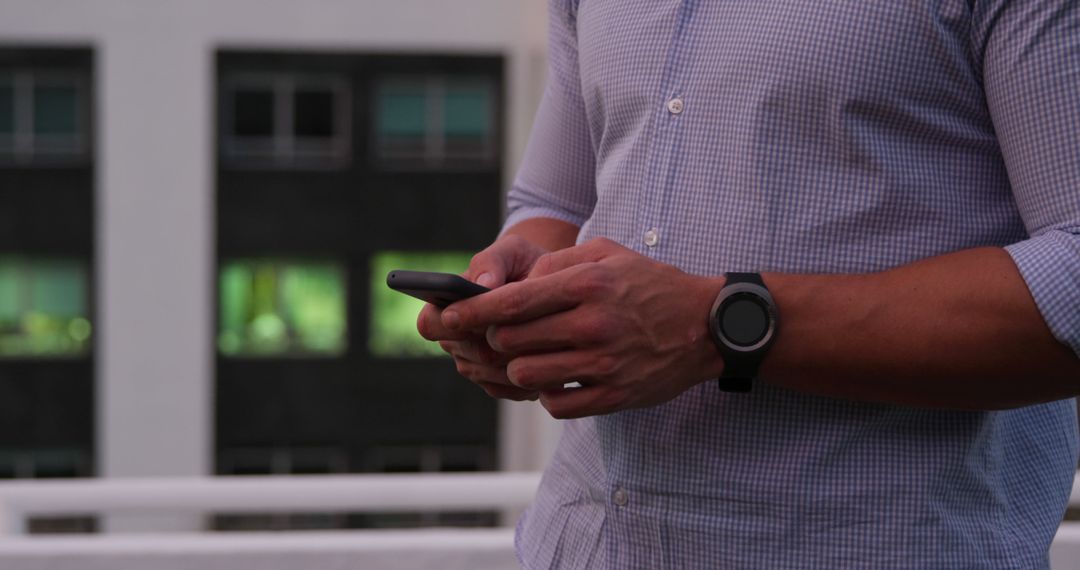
705, 350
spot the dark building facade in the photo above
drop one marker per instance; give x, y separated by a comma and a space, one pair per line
47, 267
333, 169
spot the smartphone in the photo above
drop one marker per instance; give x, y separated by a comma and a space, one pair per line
439, 289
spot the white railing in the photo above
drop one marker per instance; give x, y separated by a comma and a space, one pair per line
489, 548
20, 500
442, 548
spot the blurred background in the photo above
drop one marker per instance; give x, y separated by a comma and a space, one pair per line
199, 359
199, 202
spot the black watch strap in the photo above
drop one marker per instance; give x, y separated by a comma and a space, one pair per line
754, 278
739, 373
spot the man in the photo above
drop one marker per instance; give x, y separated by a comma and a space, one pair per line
899, 184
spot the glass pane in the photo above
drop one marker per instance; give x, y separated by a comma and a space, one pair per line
313, 113
58, 288
10, 303
393, 315
56, 109
467, 111
253, 113
402, 110
7, 109
43, 308
281, 308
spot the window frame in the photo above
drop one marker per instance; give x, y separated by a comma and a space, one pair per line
283, 149
24, 146
435, 154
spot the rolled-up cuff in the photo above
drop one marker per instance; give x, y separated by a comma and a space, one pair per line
1050, 265
523, 213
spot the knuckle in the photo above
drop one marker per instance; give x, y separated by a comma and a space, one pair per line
479, 260
520, 375
593, 328
485, 355
605, 366
501, 339
488, 374
542, 265
463, 368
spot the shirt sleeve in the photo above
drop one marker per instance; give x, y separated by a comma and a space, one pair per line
1030, 53
557, 178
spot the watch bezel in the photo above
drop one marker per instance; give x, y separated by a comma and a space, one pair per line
764, 299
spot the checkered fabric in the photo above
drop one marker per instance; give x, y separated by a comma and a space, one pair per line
811, 136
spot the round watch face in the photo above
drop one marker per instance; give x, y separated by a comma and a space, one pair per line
744, 320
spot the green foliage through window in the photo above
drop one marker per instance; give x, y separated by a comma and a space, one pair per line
274, 307
43, 308
392, 333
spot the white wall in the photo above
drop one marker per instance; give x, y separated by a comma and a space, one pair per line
155, 237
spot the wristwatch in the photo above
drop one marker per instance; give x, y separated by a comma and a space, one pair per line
743, 325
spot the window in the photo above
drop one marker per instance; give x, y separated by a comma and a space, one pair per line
393, 315
43, 308
287, 120
7, 108
276, 307
56, 109
436, 120
41, 115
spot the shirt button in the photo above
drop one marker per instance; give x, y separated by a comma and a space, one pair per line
652, 238
675, 106
620, 498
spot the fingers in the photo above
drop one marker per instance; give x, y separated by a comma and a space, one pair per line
476, 350
570, 403
574, 328
518, 302
489, 377
590, 251
504, 392
477, 372
550, 371
430, 326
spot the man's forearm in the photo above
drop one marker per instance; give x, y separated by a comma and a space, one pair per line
548, 233
956, 331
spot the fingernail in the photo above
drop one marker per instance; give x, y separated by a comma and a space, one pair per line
451, 319
486, 279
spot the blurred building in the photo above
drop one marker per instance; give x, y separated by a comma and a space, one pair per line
199, 202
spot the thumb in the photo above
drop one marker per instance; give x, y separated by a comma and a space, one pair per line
508, 259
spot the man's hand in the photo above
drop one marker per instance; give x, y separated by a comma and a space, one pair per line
508, 259
632, 331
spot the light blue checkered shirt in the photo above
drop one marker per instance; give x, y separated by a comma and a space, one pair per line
813, 136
